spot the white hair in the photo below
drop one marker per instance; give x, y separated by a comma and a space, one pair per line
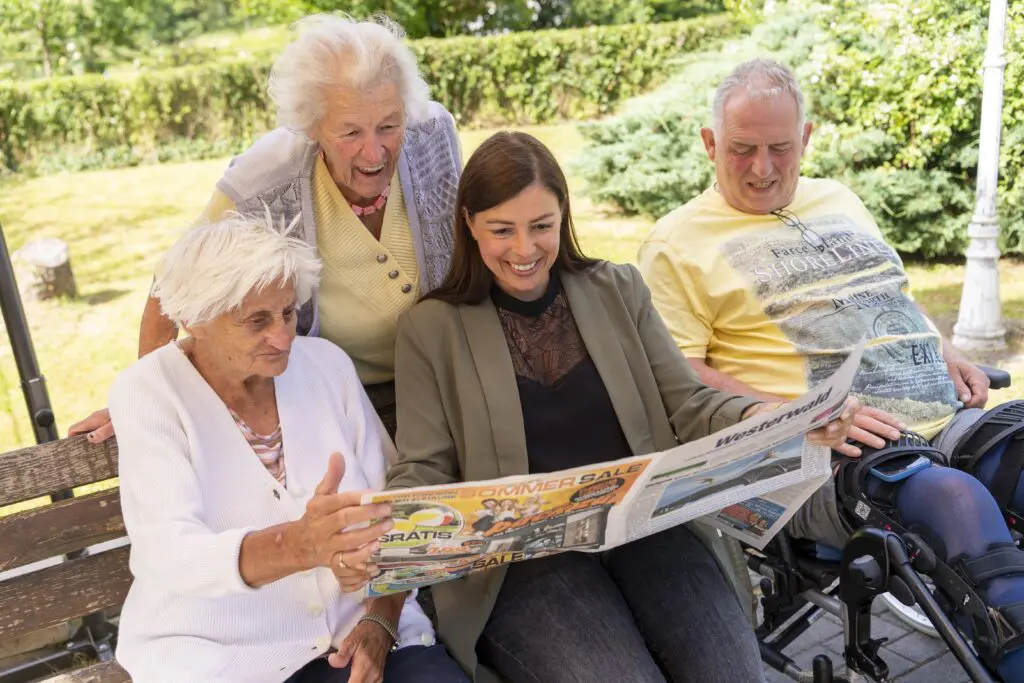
212, 268
760, 78
337, 52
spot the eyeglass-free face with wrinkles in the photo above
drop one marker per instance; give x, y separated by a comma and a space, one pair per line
757, 153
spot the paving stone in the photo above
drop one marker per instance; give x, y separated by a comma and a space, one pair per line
804, 659
898, 664
942, 670
919, 648
882, 627
823, 631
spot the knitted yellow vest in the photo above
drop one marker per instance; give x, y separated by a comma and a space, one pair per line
365, 284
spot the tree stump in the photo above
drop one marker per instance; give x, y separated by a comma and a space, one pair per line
46, 271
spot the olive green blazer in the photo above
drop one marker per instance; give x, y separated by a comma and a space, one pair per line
459, 416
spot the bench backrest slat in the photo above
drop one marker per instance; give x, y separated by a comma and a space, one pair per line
65, 591
55, 466
60, 528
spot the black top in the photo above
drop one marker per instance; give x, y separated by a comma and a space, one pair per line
568, 415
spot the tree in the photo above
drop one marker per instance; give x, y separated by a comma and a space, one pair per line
47, 26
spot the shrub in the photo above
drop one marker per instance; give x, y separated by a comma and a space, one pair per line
895, 89
515, 78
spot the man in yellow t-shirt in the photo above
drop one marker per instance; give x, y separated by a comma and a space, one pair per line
768, 280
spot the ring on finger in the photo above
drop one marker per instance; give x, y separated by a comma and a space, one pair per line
341, 561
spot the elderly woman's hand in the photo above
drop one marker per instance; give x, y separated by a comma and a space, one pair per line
836, 433
333, 527
353, 570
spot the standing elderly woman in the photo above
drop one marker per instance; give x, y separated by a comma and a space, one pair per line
532, 358
371, 165
242, 454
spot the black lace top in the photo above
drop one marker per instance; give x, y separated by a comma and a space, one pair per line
567, 413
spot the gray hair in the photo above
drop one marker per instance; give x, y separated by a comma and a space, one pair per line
335, 52
212, 268
761, 78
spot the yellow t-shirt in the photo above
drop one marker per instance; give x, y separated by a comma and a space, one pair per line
758, 302
365, 284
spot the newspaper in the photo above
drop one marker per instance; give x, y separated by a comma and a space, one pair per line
747, 480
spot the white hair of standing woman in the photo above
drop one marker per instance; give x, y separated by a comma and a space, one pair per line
335, 53
212, 268
761, 78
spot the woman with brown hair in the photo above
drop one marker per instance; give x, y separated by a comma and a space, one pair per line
529, 358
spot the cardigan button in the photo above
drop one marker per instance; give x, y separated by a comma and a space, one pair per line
406, 288
393, 274
382, 258
277, 494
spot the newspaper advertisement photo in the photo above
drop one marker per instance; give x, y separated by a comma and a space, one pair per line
444, 532
746, 480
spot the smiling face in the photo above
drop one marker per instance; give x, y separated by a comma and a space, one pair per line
362, 138
254, 340
757, 153
519, 241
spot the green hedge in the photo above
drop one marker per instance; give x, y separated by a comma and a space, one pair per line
894, 88
537, 77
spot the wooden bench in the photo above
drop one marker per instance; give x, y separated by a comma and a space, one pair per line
56, 592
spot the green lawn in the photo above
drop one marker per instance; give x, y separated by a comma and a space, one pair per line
119, 222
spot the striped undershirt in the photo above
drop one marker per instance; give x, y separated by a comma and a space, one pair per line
268, 448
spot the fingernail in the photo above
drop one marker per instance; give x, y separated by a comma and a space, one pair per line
384, 510
965, 397
845, 415
388, 524
374, 547
902, 425
856, 452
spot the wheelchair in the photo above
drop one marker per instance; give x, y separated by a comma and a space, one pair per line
800, 581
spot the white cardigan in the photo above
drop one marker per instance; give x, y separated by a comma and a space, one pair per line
192, 488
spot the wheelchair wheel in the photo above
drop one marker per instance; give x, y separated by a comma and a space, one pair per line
911, 616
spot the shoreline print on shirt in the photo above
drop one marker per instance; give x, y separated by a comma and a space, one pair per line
824, 301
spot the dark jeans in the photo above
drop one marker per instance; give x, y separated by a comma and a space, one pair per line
658, 609
413, 664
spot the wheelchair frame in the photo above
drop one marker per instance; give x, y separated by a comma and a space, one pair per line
796, 589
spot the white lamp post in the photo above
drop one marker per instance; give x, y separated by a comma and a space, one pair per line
980, 325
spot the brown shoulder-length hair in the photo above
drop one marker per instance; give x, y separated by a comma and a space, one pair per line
503, 166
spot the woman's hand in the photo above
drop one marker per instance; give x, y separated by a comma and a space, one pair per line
366, 648
97, 427
353, 577
325, 534
835, 434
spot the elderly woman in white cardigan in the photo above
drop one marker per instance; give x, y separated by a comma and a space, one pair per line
243, 453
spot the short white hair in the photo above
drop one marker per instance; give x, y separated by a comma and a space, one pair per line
760, 78
212, 268
337, 52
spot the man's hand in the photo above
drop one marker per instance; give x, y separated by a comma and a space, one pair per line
836, 433
970, 382
873, 427
366, 648
97, 427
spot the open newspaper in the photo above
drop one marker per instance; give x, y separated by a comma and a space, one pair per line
746, 480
